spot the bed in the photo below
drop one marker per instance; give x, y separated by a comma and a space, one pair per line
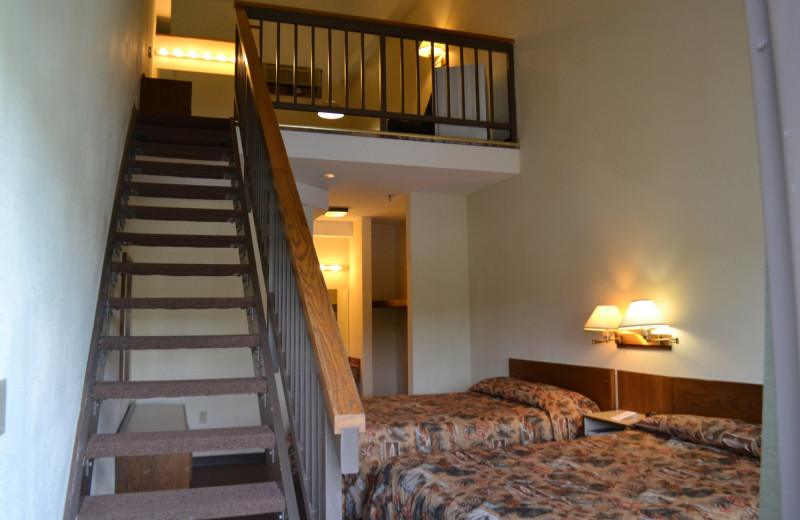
538, 402
675, 465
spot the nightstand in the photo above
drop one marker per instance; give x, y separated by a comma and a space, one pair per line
601, 423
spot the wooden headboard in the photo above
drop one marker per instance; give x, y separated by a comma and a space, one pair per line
596, 383
648, 393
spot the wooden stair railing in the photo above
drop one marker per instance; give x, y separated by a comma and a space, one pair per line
181, 138
323, 404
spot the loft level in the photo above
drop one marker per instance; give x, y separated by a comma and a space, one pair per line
338, 72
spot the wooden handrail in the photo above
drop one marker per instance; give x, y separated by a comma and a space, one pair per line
336, 378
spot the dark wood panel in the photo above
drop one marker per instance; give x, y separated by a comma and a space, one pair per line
596, 383
165, 96
664, 394
718, 398
153, 472
644, 392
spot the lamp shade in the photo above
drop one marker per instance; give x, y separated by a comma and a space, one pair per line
642, 314
425, 49
604, 317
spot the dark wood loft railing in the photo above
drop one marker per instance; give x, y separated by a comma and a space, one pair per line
375, 75
322, 401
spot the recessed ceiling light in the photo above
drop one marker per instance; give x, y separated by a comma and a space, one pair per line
335, 212
328, 175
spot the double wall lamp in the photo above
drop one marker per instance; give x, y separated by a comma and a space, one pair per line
639, 328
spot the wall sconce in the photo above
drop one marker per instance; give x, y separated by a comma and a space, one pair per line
193, 54
335, 267
605, 318
639, 326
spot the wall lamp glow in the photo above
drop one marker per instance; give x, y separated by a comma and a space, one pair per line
178, 53
335, 267
642, 326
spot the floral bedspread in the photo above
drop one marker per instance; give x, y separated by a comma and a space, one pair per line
632, 474
403, 425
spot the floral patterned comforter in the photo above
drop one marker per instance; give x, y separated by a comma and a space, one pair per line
480, 418
632, 474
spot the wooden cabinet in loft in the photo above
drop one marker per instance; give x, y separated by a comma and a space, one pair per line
468, 102
165, 96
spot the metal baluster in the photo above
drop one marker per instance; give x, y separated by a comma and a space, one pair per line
447, 74
402, 77
463, 98
278, 63
294, 65
382, 79
416, 55
491, 88
477, 88
313, 51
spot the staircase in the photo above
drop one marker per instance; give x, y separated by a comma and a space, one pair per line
171, 158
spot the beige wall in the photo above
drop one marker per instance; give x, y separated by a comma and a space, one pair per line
65, 104
639, 180
438, 297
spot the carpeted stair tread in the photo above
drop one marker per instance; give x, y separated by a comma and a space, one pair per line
168, 240
183, 135
180, 191
177, 121
179, 342
186, 214
179, 169
181, 303
180, 269
179, 388
187, 504
179, 441
181, 151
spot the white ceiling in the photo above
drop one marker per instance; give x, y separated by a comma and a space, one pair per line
368, 168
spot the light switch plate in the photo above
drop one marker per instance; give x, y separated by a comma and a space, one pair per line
2, 406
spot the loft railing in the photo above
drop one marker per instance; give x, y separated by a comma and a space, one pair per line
381, 76
322, 402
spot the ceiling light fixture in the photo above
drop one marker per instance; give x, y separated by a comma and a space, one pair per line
330, 115
335, 212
